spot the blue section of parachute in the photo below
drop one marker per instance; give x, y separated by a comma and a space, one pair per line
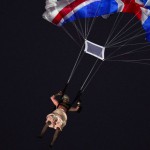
147, 5
146, 27
99, 8
95, 9
146, 24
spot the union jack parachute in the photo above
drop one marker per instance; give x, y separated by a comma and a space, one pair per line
64, 12
60, 12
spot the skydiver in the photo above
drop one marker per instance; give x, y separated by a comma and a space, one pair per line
58, 118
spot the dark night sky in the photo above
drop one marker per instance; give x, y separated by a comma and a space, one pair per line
37, 58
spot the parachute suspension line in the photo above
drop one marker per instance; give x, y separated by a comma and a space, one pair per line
124, 40
133, 51
130, 62
93, 21
115, 40
68, 32
116, 23
64, 89
73, 23
76, 63
88, 26
91, 26
119, 41
81, 30
126, 45
85, 26
125, 32
116, 36
80, 33
121, 46
73, 70
80, 39
89, 75
138, 35
89, 81
113, 29
78, 30
70, 36
77, 98
83, 34
80, 92
128, 40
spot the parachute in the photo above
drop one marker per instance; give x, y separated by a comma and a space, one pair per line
64, 11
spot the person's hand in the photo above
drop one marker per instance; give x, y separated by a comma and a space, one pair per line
78, 104
77, 108
60, 93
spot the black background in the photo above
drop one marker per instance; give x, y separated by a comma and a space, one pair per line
37, 58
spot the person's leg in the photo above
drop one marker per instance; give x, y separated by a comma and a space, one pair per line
56, 134
44, 129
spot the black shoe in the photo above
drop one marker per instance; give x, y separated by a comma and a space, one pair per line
39, 137
50, 146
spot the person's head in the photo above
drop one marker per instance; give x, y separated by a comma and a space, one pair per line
65, 98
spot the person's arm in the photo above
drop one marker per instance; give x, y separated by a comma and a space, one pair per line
74, 108
77, 107
55, 102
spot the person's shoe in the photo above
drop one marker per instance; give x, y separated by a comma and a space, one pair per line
50, 146
39, 137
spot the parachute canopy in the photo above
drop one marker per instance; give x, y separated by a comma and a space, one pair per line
64, 11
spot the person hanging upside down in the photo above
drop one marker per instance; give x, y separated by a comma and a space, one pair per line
58, 118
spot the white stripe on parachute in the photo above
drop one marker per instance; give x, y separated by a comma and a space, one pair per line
145, 14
